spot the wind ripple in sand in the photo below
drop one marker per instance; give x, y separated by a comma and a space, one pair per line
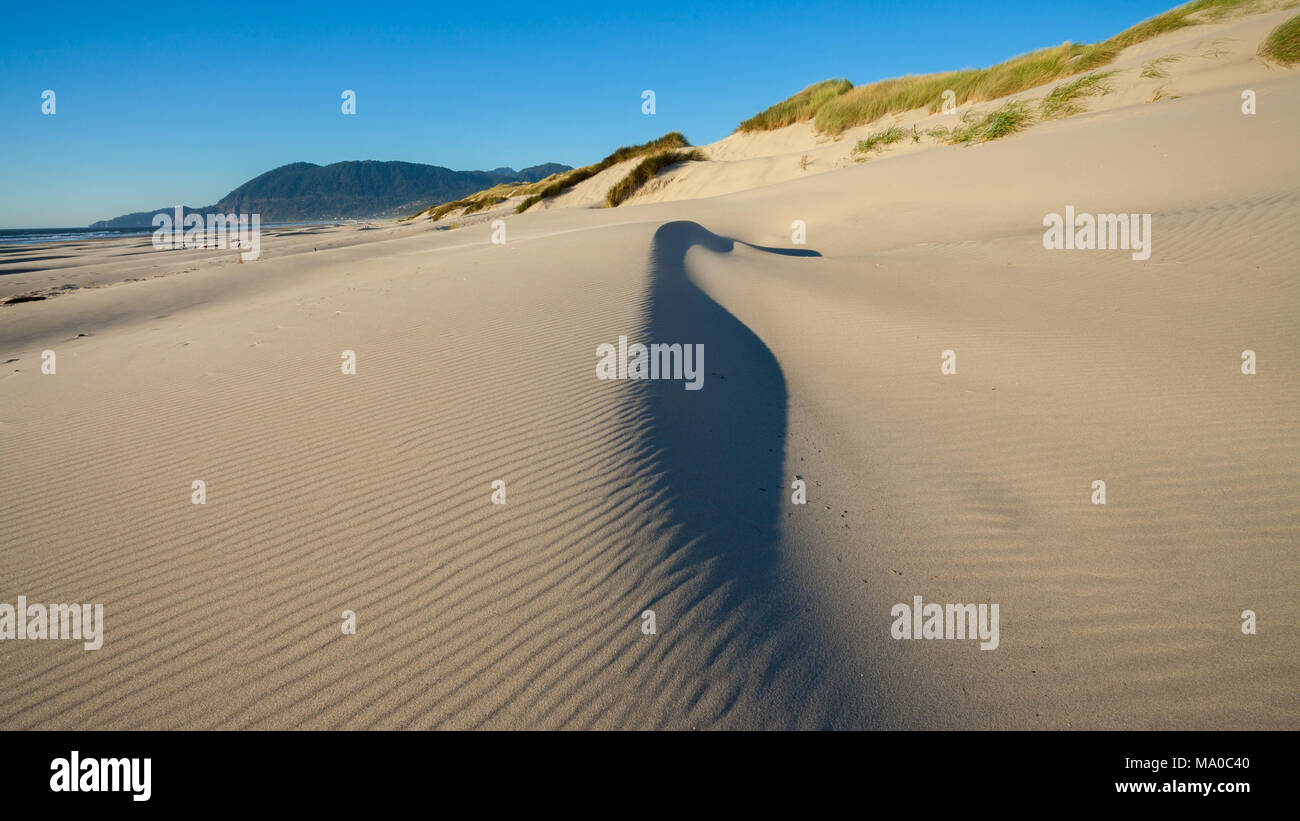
371, 495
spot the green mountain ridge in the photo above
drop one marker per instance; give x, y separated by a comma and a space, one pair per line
363, 189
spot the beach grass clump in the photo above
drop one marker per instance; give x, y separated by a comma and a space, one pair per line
852, 106
796, 109
446, 208
482, 203
645, 171
671, 140
1066, 99
528, 189
1282, 45
1012, 116
474, 202
880, 139
1155, 69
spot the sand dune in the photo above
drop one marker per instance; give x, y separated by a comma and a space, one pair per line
476, 362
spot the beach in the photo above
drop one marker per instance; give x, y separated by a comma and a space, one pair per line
946, 388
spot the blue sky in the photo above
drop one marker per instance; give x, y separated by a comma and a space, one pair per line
165, 104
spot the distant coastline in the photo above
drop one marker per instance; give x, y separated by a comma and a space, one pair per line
35, 236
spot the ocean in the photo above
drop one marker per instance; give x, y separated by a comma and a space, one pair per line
23, 236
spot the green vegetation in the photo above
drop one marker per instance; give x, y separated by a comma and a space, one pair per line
877, 141
866, 104
1283, 44
303, 191
440, 211
800, 107
645, 171
529, 190
482, 203
1155, 69
1011, 117
495, 195
1189, 14
1064, 100
565, 181
836, 106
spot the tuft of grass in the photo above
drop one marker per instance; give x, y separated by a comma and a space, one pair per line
482, 203
939, 132
803, 163
1066, 98
1161, 93
645, 171
850, 106
530, 189
879, 140
1155, 69
795, 109
565, 181
1013, 116
473, 203
1282, 45
447, 207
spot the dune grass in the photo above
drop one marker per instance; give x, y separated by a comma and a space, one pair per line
482, 203
1064, 100
446, 208
838, 106
1155, 69
565, 181
645, 171
1012, 116
880, 139
800, 107
1282, 45
866, 104
475, 202
529, 189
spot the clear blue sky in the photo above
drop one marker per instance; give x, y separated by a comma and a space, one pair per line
159, 104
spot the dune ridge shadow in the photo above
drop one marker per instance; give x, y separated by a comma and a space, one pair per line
719, 453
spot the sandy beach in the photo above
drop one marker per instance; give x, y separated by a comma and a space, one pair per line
476, 363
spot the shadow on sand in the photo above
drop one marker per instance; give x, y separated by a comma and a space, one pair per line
719, 454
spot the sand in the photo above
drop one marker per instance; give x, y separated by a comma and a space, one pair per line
372, 492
